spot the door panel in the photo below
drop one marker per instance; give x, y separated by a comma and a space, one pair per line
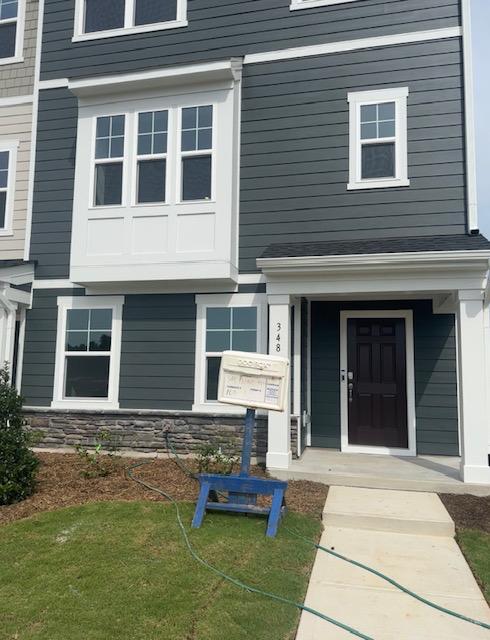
377, 396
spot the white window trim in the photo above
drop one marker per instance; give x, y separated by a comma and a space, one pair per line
129, 28
137, 158
88, 302
407, 315
19, 34
308, 4
204, 302
356, 100
12, 147
98, 161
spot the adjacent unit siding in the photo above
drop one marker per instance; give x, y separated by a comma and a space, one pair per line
158, 352
295, 148
18, 79
53, 183
225, 28
435, 375
16, 124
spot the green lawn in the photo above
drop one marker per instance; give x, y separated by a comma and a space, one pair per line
476, 548
120, 571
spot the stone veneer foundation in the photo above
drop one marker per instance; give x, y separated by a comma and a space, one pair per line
145, 431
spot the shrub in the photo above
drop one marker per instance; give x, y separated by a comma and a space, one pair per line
18, 464
102, 460
211, 459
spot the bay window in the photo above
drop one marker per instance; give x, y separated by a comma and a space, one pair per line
378, 139
88, 351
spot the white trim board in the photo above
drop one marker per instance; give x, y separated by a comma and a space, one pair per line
16, 100
353, 45
407, 315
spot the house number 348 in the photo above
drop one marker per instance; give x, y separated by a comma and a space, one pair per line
278, 337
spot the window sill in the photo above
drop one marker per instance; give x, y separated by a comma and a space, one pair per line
377, 184
84, 404
13, 60
6, 233
309, 4
161, 26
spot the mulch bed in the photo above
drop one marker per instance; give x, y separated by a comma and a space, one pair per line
61, 484
468, 512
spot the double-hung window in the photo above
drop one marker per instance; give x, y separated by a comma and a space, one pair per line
105, 18
146, 163
11, 30
88, 351
378, 139
8, 155
225, 322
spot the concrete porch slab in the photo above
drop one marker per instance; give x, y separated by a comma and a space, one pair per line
422, 473
385, 510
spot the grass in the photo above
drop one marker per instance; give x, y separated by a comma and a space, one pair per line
120, 570
476, 548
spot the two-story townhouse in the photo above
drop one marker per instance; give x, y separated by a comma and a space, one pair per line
18, 109
286, 175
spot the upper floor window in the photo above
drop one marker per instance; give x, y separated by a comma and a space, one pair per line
8, 153
11, 30
378, 139
104, 18
145, 165
308, 4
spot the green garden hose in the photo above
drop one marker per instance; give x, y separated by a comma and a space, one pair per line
396, 584
225, 576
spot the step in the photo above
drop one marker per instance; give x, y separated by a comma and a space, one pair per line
387, 510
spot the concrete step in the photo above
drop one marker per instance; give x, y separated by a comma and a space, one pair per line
386, 510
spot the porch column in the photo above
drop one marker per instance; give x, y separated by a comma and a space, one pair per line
472, 387
279, 435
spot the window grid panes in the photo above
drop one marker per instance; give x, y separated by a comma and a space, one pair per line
227, 328
4, 175
196, 139
9, 10
109, 15
378, 140
109, 146
152, 156
87, 353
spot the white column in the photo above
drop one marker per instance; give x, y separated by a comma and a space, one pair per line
279, 435
472, 388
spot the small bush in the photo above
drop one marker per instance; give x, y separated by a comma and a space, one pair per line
211, 459
100, 461
18, 464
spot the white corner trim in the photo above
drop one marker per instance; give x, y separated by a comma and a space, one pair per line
310, 4
353, 45
470, 125
356, 100
162, 77
35, 111
88, 302
407, 315
203, 301
57, 83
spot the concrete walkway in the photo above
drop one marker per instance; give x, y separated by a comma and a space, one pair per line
407, 536
420, 473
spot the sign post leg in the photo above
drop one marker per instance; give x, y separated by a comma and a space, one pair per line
247, 442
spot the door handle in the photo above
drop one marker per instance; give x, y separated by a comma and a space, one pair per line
350, 389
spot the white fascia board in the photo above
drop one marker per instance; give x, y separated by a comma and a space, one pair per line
390, 260
158, 78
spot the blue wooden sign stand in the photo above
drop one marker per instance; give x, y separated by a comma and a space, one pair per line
242, 489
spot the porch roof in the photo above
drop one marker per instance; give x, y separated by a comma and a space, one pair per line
460, 242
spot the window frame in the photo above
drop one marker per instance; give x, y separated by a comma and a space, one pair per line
115, 303
204, 302
136, 157
94, 162
19, 34
309, 4
359, 99
12, 147
129, 27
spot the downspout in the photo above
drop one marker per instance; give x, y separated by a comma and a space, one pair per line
469, 111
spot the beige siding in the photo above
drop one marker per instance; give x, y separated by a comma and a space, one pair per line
18, 79
15, 124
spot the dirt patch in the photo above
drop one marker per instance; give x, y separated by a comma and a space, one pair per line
468, 512
61, 484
